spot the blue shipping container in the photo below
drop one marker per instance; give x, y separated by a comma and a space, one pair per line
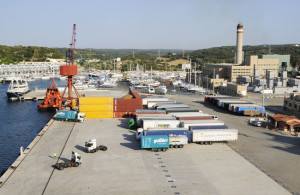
155, 141
169, 132
63, 114
240, 110
209, 127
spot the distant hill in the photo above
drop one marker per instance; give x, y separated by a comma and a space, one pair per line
15, 54
227, 53
148, 57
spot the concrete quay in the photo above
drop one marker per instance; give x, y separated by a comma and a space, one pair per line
126, 169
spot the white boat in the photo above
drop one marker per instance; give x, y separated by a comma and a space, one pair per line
151, 89
45, 77
16, 89
162, 89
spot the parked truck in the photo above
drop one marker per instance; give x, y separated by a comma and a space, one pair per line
154, 123
91, 146
189, 123
208, 136
177, 141
163, 131
70, 115
74, 162
155, 142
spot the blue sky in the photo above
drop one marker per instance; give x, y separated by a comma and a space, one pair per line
148, 24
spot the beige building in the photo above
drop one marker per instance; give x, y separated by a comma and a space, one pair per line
234, 89
292, 103
232, 72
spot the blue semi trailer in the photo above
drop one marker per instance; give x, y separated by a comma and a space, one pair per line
163, 131
70, 115
155, 142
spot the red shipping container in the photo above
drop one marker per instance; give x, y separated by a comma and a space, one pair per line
127, 108
125, 102
68, 70
123, 114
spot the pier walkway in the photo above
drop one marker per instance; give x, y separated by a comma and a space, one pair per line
126, 169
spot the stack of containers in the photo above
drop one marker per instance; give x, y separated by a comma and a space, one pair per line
97, 107
127, 107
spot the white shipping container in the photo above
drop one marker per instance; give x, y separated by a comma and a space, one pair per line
160, 123
188, 123
146, 100
150, 104
214, 135
140, 117
178, 140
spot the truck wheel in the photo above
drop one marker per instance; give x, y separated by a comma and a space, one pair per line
164, 149
181, 146
61, 167
103, 148
76, 164
210, 143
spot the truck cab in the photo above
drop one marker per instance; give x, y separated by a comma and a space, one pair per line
76, 158
139, 133
90, 145
80, 117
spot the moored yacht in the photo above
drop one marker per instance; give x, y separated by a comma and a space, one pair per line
16, 89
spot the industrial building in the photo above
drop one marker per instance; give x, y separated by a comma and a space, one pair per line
248, 66
292, 103
233, 89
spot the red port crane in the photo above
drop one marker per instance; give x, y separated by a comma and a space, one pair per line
69, 70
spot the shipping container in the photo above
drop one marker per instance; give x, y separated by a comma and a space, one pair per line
100, 114
167, 132
214, 135
95, 108
133, 102
153, 98
124, 114
212, 126
208, 97
186, 114
150, 104
165, 106
187, 124
166, 123
126, 108
139, 117
221, 103
240, 109
205, 117
146, 111
64, 114
232, 107
171, 110
227, 106
178, 141
96, 100
154, 141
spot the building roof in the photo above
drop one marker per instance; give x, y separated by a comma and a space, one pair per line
288, 120
283, 117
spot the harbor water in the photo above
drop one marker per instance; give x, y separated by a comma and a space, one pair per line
20, 122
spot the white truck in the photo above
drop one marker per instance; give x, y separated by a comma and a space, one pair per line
91, 146
74, 162
188, 123
166, 123
140, 117
178, 141
208, 136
